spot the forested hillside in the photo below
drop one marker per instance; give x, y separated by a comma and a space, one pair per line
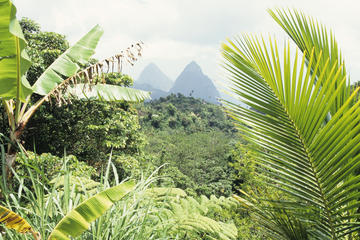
193, 140
190, 114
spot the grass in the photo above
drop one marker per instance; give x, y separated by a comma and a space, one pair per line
44, 205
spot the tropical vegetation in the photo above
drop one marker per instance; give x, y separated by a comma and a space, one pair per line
60, 80
303, 120
96, 162
194, 140
145, 212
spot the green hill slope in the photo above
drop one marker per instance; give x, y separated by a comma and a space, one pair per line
193, 140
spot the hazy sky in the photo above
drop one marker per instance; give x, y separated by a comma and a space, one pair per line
176, 32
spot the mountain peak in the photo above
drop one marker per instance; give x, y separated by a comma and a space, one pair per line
192, 67
151, 65
152, 75
192, 82
152, 68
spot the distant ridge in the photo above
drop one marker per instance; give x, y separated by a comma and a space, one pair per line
155, 93
192, 82
154, 77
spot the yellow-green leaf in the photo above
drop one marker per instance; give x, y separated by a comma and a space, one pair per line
14, 221
78, 220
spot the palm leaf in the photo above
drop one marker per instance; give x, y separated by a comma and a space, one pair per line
68, 63
313, 163
14, 60
14, 221
78, 220
107, 92
307, 34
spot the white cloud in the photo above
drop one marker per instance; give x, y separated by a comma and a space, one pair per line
178, 31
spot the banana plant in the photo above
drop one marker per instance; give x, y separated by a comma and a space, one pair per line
77, 220
64, 72
303, 120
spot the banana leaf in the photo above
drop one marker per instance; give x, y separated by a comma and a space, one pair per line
14, 60
78, 220
14, 221
68, 63
107, 92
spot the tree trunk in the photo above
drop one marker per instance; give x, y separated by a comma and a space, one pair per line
13, 148
9, 164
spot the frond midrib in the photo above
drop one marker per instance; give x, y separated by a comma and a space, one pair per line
310, 161
286, 118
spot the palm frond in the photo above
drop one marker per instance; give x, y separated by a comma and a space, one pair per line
282, 219
308, 34
312, 160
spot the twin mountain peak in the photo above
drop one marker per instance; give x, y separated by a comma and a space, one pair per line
191, 82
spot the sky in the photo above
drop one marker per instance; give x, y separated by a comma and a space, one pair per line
176, 32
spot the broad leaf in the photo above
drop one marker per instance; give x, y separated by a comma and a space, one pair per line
14, 60
14, 221
78, 220
107, 92
68, 63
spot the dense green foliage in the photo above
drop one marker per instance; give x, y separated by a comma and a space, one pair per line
59, 79
197, 162
88, 129
184, 113
193, 139
295, 176
52, 165
95, 131
147, 213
